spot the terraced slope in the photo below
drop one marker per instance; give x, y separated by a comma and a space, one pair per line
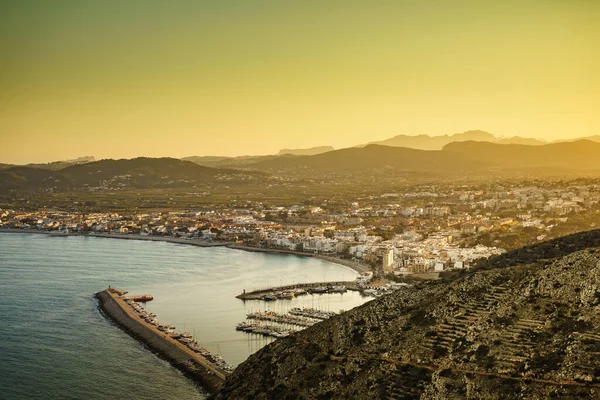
530, 330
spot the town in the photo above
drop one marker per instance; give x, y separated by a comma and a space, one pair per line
427, 230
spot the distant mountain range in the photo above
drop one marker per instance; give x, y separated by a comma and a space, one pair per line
305, 152
577, 156
55, 165
469, 157
137, 173
426, 142
594, 138
229, 162
420, 142
368, 158
472, 153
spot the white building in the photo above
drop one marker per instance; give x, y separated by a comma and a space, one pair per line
388, 260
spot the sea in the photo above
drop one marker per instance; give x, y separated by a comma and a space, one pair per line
56, 344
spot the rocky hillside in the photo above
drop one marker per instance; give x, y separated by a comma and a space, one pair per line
525, 325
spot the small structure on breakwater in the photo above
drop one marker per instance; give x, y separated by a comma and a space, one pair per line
143, 298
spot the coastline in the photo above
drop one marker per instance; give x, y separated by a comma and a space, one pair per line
346, 263
116, 236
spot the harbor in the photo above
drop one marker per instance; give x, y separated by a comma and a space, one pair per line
191, 291
287, 292
279, 325
285, 320
299, 289
180, 349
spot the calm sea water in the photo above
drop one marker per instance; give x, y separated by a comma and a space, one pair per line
54, 343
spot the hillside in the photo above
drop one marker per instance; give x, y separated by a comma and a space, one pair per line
520, 140
508, 331
230, 162
306, 152
372, 157
481, 159
136, 173
54, 165
594, 138
427, 142
577, 156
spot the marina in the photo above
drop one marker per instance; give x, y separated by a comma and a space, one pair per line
185, 337
265, 330
278, 325
299, 289
285, 321
180, 349
288, 319
312, 313
288, 292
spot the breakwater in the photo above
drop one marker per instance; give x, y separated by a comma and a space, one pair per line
296, 289
208, 375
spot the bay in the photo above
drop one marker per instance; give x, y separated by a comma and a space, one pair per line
54, 343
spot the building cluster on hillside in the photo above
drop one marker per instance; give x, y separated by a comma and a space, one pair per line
418, 231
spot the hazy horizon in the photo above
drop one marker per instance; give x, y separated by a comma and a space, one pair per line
49, 160
229, 78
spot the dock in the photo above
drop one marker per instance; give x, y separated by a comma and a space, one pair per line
208, 375
286, 291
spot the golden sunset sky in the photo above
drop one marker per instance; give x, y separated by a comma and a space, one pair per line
127, 78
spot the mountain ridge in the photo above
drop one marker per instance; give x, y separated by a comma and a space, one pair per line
478, 158
428, 142
141, 172
306, 152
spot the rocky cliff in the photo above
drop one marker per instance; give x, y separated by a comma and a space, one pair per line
524, 325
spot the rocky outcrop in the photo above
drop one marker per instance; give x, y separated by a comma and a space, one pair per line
508, 330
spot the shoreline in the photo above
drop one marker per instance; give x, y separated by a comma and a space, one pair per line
346, 263
335, 260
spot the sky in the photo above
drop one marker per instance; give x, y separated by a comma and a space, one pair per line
121, 79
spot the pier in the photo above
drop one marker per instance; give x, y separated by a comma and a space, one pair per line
289, 319
289, 291
194, 365
271, 323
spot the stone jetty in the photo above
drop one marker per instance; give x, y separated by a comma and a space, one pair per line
208, 375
